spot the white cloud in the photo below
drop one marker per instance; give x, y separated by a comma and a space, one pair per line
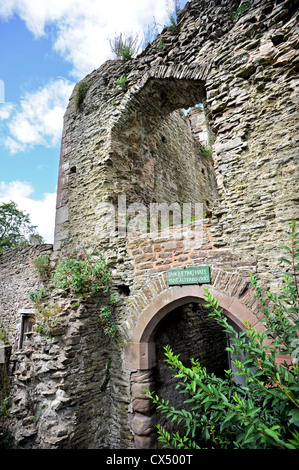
5, 110
39, 118
81, 28
14, 146
41, 212
80, 31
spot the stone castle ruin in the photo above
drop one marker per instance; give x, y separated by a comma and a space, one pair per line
206, 119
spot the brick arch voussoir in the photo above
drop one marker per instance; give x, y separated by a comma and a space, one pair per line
231, 290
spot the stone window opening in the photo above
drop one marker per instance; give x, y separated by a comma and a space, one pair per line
164, 151
26, 326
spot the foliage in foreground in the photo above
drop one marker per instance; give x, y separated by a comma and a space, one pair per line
264, 413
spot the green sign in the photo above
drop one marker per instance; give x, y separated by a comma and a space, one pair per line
196, 275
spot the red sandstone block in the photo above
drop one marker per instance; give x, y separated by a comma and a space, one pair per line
136, 251
145, 442
160, 268
142, 424
181, 252
198, 255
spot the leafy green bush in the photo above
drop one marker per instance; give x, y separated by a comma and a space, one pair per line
81, 274
263, 413
38, 295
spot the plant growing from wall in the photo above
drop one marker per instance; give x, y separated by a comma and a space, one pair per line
108, 324
107, 377
78, 274
3, 337
122, 81
38, 295
264, 413
125, 45
161, 45
206, 151
172, 9
151, 34
81, 91
46, 314
42, 266
81, 274
46, 317
242, 8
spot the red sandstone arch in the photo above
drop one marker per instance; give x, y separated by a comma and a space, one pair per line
140, 352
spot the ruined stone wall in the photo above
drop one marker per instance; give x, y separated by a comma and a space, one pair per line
55, 382
164, 165
136, 141
244, 72
67, 389
61, 393
17, 280
253, 100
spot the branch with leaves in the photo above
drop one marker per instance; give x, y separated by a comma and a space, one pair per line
15, 226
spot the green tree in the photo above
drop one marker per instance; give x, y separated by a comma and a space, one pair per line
15, 226
263, 413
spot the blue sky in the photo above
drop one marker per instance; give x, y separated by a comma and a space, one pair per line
46, 48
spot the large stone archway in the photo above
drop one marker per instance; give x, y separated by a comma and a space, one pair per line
140, 352
140, 355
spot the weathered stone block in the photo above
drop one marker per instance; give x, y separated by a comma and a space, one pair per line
142, 424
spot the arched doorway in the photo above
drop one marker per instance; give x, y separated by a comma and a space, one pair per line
142, 354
